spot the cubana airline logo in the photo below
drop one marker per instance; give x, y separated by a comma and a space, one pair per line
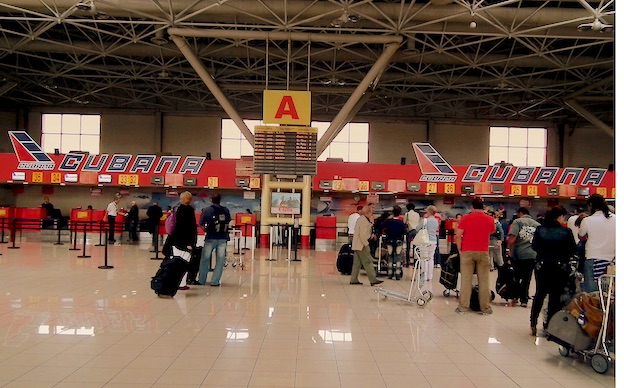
32, 157
435, 168
432, 165
29, 153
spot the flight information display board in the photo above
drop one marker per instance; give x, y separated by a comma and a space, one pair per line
285, 150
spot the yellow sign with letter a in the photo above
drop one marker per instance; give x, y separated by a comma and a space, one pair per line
286, 107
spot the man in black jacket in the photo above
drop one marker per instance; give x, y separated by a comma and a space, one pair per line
154, 214
133, 221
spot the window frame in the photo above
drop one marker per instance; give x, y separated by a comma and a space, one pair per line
67, 131
515, 144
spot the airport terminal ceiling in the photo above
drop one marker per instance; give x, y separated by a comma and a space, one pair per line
458, 59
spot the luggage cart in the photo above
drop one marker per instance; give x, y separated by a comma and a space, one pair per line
235, 237
420, 298
603, 352
381, 264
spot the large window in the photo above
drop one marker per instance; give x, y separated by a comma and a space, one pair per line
70, 132
518, 146
351, 144
233, 143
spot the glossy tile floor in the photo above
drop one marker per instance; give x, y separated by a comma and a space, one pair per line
66, 323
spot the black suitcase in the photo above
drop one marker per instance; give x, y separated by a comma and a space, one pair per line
344, 263
193, 270
474, 299
449, 273
506, 283
169, 275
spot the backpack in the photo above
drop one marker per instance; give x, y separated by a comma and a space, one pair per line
170, 222
218, 222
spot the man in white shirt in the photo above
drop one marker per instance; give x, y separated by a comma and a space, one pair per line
412, 221
572, 220
599, 231
111, 211
351, 223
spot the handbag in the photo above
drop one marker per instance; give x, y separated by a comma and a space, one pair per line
422, 237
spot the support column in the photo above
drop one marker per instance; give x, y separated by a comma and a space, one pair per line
306, 201
265, 210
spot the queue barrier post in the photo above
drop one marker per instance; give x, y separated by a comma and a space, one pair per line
84, 243
74, 227
2, 239
105, 266
13, 234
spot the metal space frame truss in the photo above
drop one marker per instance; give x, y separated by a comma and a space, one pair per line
522, 60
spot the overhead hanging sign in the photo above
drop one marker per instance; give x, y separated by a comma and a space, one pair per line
287, 107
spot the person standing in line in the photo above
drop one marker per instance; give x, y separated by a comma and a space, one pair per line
184, 236
519, 242
571, 223
496, 243
473, 237
395, 233
154, 214
353, 217
133, 221
554, 245
215, 219
361, 250
412, 220
431, 224
436, 254
111, 212
599, 232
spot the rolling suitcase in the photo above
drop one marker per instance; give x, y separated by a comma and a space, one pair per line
168, 277
449, 274
344, 263
474, 299
506, 284
193, 269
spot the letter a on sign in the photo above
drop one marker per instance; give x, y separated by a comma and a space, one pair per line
286, 107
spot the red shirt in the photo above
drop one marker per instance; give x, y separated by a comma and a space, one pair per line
477, 227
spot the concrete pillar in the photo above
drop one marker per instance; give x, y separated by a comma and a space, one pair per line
265, 210
306, 201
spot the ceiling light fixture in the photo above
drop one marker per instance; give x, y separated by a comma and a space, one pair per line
344, 19
596, 25
159, 38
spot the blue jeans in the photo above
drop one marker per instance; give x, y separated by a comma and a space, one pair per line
589, 284
204, 265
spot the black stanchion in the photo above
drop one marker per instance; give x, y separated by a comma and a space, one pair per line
13, 235
105, 266
295, 242
58, 240
84, 243
155, 241
75, 228
245, 238
100, 243
2, 239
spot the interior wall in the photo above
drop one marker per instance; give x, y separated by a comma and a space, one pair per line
124, 133
193, 134
8, 122
461, 144
588, 147
389, 142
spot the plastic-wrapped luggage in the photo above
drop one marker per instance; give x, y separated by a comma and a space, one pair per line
449, 272
563, 328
